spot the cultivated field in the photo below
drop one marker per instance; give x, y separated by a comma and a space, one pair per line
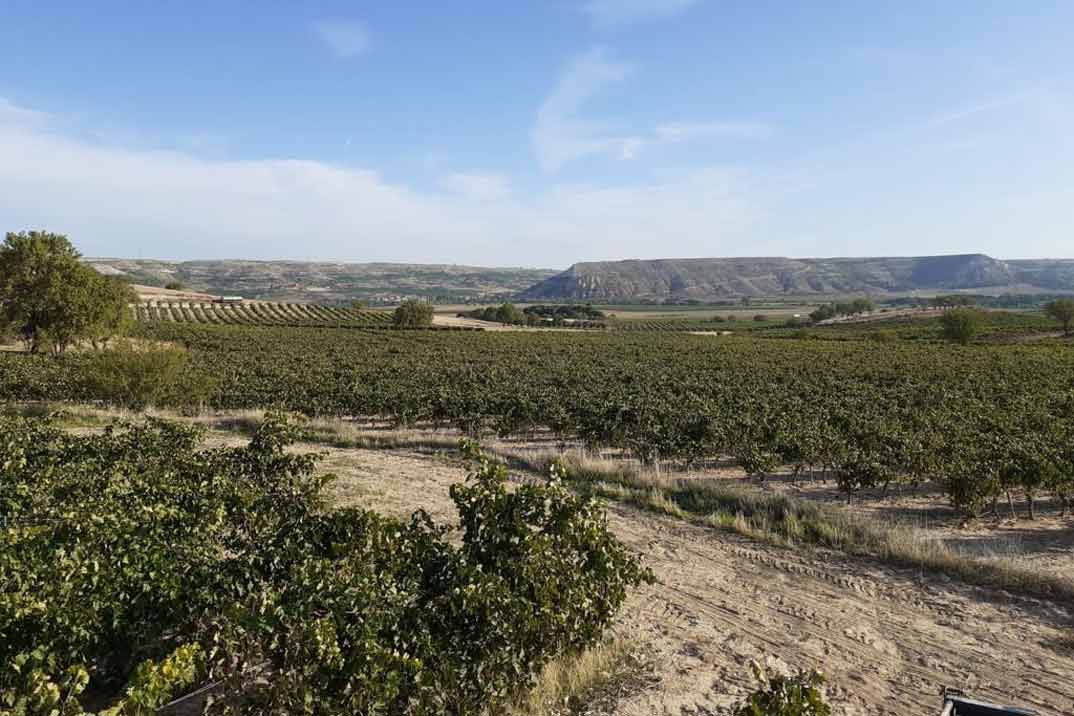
888, 638
867, 499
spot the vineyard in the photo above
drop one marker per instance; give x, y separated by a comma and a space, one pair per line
982, 422
261, 313
138, 565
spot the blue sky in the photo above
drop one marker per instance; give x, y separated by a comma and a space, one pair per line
540, 133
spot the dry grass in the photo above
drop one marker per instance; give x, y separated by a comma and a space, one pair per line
589, 682
795, 522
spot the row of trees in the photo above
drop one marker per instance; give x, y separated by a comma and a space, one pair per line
843, 308
51, 300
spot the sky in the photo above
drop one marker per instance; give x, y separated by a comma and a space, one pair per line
539, 133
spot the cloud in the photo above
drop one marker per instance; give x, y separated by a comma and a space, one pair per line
613, 13
478, 186
115, 200
345, 38
560, 135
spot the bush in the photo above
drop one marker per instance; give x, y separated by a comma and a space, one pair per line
760, 317
1062, 310
133, 376
232, 568
413, 313
823, 313
174, 286
797, 695
960, 325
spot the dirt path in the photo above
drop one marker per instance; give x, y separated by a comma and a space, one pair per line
887, 640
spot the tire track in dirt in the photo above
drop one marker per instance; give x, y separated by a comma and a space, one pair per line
886, 642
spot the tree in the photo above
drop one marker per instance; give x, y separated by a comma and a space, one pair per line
174, 286
960, 324
108, 309
1062, 310
508, 313
50, 299
862, 305
413, 313
823, 313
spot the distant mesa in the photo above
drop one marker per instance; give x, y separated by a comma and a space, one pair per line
732, 278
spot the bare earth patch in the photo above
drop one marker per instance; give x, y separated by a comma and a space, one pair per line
887, 639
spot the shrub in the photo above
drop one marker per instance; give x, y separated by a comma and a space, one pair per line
760, 317
174, 286
133, 376
797, 695
823, 313
232, 570
960, 325
413, 313
1062, 310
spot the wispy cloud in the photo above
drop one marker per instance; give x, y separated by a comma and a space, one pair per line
613, 13
345, 38
561, 134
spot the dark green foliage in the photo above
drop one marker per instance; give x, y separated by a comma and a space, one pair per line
50, 299
961, 325
868, 413
560, 312
137, 564
843, 308
136, 376
797, 695
174, 286
1062, 310
413, 313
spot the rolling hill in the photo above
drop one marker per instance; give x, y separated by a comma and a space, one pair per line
730, 278
326, 282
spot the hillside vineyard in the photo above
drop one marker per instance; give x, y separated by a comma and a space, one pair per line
979, 420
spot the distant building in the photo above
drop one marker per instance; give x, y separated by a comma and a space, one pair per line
228, 299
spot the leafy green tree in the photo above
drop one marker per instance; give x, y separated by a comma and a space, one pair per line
509, 314
862, 305
413, 313
50, 299
108, 310
174, 286
1062, 310
823, 313
960, 325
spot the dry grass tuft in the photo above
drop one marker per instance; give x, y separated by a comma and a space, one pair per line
589, 682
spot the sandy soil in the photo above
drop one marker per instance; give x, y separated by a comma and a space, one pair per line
887, 640
443, 320
154, 293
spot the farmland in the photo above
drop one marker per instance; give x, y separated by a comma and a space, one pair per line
716, 454
982, 420
259, 313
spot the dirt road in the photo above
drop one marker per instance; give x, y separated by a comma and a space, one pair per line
886, 639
